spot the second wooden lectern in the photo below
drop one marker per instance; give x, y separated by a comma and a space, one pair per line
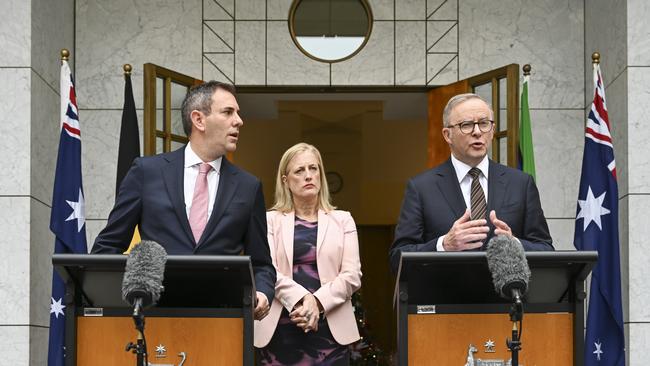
448, 312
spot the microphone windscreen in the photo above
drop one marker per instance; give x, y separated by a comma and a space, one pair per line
144, 273
508, 265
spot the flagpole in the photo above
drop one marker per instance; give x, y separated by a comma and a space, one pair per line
65, 54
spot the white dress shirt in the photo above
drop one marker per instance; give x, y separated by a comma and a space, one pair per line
465, 182
191, 171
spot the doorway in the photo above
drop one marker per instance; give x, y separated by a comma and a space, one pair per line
371, 145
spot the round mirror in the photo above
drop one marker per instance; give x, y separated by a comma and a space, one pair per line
330, 30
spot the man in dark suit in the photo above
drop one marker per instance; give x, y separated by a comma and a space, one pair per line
192, 200
460, 204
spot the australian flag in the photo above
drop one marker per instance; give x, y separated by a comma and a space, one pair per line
67, 220
597, 229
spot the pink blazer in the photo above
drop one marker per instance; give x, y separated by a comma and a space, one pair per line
339, 269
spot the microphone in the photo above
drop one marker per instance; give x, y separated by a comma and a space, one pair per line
143, 275
509, 267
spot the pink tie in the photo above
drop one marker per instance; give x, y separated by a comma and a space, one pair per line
199, 209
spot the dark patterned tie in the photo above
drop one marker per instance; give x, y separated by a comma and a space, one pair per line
477, 197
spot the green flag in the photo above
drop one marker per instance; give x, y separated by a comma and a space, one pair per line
526, 154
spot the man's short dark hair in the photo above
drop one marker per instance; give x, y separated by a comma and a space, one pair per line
199, 98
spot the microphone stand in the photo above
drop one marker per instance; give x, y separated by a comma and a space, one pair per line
516, 315
140, 348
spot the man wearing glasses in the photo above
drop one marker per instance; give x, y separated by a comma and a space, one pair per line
460, 204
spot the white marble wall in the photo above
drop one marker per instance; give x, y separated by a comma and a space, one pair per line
15, 75
638, 181
110, 34
34, 32
413, 42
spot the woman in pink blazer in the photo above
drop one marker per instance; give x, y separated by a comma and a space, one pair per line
316, 254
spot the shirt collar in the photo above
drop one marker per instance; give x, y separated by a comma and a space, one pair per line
462, 169
191, 159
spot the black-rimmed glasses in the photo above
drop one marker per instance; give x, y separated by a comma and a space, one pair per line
466, 127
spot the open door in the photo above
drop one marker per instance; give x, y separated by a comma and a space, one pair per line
500, 88
164, 91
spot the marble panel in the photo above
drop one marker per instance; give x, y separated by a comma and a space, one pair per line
497, 33
38, 344
442, 36
382, 9
15, 129
40, 266
638, 33
219, 67
14, 345
101, 131
286, 65
561, 230
638, 344
14, 263
442, 68
639, 257
638, 133
249, 10
219, 36
278, 9
410, 9
163, 32
608, 38
442, 9
374, 64
250, 55
93, 228
558, 146
52, 29
218, 9
15, 37
45, 134
410, 53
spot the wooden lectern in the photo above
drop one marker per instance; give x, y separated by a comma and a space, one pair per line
448, 312
204, 316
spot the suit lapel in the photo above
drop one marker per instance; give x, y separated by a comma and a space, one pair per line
288, 226
496, 187
450, 188
323, 223
173, 177
225, 193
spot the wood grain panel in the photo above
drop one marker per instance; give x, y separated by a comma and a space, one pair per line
443, 339
437, 148
206, 341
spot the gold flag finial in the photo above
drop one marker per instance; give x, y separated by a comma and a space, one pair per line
127, 69
65, 54
526, 69
595, 57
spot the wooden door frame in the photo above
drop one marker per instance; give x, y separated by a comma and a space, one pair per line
437, 147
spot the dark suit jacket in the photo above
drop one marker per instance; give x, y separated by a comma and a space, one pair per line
151, 196
433, 201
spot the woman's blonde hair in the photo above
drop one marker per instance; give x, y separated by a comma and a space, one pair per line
283, 197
